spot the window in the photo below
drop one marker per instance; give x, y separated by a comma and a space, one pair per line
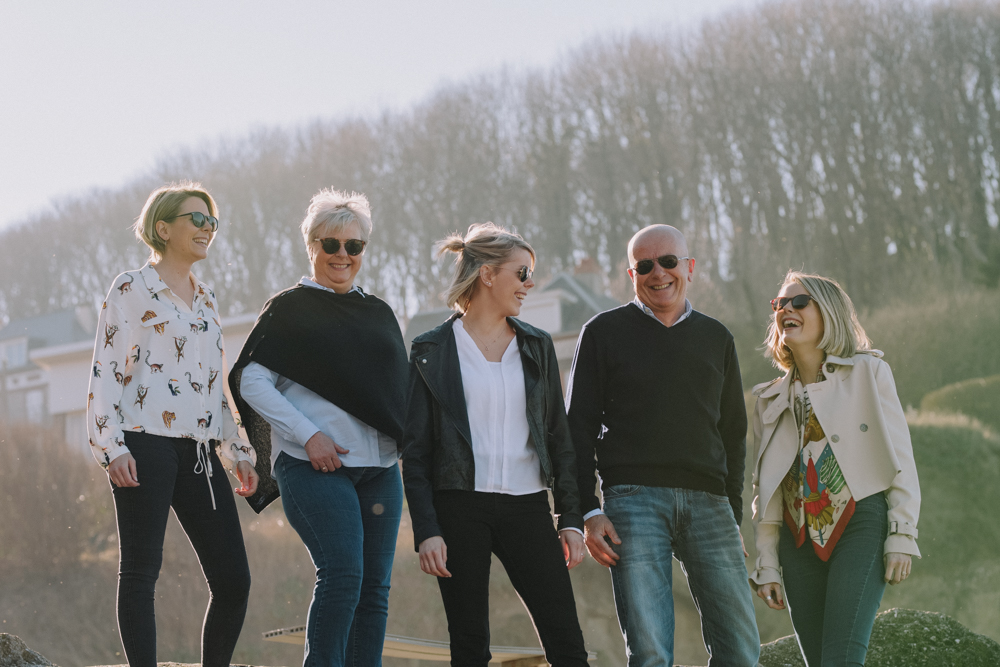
14, 354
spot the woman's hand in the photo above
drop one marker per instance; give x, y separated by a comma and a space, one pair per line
249, 477
572, 544
433, 556
771, 595
122, 471
897, 567
323, 452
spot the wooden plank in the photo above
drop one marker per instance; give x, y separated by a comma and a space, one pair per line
397, 646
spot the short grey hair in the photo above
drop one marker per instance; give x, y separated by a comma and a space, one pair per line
843, 335
330, 211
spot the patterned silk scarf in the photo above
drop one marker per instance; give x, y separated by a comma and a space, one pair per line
817, 501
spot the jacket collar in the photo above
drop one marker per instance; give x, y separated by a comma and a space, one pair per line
437, 362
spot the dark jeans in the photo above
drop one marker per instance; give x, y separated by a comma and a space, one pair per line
165, 468
519, 530
833, 604
348, 519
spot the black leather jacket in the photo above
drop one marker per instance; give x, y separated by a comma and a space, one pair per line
437, 440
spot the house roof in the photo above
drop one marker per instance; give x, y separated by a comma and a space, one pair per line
62, 327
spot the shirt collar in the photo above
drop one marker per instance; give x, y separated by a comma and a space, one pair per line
309, 282
155, 285
649, 311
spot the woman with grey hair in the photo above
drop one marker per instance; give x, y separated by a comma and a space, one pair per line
836, 496
486, 437
320, 385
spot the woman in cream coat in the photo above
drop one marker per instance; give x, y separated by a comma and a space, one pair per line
836, 496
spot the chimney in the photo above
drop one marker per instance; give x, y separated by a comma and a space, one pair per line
589, 274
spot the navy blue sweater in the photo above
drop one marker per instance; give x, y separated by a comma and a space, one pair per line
660, 406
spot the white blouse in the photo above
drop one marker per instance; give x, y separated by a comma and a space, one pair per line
505, 459
158, 368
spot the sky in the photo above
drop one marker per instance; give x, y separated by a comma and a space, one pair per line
93, 93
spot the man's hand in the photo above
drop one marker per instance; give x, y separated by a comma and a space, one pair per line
122, 471
434, 556
595, 529
572, 544
323, 452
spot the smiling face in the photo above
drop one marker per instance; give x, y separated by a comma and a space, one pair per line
663, 290
798, 329
185, 242
336, 271
506, 291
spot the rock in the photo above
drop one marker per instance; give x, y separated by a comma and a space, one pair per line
782, 652
14, 653
910, 638
905, 638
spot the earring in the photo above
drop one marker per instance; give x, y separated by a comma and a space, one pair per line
489, 284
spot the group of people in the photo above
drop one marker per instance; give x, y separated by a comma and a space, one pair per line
332, 404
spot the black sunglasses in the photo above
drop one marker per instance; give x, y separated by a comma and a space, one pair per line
199, 220
644, 266
799, 301
522, 274
353, 247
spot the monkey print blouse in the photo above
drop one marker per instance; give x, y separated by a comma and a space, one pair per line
158, 369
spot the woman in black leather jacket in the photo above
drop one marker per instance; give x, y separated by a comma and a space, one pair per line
485, 437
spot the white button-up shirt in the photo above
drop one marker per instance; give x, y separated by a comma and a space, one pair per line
297, 414
495, 399
158, 368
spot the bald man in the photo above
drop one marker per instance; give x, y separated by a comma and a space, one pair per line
655, 394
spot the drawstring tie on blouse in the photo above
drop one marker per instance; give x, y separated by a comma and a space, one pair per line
204, 464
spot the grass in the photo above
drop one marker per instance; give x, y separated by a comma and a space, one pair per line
978, 398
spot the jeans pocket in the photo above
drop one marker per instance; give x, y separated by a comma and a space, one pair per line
620, 491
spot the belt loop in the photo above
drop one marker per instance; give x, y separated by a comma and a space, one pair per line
204, 464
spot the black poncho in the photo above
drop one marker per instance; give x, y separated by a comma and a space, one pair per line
345, 347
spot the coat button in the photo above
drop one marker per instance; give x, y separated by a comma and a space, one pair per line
864, 428
834, 438
830, 368
423, 361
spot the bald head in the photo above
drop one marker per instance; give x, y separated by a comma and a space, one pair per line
656, 238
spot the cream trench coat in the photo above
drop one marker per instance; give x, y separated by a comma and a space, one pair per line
859, 410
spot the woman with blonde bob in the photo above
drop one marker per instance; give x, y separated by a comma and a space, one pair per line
836, 496
160, 425
486, 436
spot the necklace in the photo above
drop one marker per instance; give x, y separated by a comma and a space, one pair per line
485, 344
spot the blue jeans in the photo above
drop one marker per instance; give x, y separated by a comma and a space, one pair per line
348, 519
698, 528
833, 604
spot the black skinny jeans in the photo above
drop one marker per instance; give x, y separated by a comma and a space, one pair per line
519, 530
165, 468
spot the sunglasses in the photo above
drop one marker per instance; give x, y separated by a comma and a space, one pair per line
522, 274
799, 301
644, 266
199, 220
354, 247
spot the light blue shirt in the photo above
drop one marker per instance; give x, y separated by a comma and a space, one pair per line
649, 311
296, 414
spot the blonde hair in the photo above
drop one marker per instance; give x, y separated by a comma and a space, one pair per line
843, 335
484, 244
330, 211
163, 204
